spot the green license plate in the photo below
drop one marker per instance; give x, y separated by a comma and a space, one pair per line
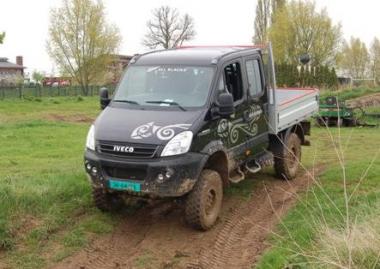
124, 185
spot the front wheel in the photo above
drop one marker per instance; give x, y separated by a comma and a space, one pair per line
205, 200
287, 156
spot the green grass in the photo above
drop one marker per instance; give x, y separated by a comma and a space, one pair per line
347, 94
46, 211
302, 233
145, 260
72, 108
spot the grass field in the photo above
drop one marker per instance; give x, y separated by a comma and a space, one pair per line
346, 94
304, 238
46, 212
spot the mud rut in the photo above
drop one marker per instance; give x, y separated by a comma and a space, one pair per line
157, 236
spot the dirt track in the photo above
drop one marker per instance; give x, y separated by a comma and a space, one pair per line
365, 101
157, 237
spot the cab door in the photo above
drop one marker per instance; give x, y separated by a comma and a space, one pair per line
257, 102
232, 130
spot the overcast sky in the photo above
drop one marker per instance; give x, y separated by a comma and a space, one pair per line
217, 22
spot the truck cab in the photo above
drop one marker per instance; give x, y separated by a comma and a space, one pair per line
187, 122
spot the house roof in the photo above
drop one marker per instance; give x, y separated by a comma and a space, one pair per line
5, 64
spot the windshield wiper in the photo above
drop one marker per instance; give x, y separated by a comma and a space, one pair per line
172, 103
126, 101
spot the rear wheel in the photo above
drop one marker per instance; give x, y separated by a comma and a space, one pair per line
205, 200
107, 202
287, 156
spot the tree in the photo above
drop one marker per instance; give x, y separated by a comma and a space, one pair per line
265, 10
354, 58
38, 77
2, 35
262, 21
299, 28
167, 29
277, 5
375, 59
81, 41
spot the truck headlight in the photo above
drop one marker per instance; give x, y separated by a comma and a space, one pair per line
179, 144
90, 141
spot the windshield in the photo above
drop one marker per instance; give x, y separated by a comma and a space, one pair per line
181, 86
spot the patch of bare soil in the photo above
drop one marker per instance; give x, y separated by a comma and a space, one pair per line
69, 118
365, 101
157, 236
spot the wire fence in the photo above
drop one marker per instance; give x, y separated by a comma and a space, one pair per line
37, 92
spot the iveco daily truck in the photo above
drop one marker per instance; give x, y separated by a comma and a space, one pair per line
187, 122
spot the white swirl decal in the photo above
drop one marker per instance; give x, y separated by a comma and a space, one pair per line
162, 132
232, 130
167, 132
223, 127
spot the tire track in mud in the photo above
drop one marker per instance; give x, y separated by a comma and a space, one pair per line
159, 233
113, 251
242, 239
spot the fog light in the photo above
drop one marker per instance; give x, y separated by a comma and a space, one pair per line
88, 167
94, 171
160, 178
169, 173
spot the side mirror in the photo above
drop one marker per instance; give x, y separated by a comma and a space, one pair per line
305, 58
104, 99
226, 105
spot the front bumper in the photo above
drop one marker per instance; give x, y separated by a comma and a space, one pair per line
179, 173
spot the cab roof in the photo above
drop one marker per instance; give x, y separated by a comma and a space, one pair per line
205, 55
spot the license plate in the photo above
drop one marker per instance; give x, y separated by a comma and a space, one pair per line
124, 185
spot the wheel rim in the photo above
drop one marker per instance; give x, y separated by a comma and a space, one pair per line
210, 202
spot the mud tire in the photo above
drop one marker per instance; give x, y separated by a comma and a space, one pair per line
287, 157
106, 202
204, 202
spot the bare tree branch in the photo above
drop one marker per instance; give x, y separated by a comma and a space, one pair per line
167, 29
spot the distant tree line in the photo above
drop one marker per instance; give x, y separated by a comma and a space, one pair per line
296, 27
359, 62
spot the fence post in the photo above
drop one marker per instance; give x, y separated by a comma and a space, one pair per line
20, 92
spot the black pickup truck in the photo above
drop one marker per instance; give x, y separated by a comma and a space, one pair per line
187, 122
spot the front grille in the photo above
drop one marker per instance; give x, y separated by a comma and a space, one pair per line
123, 173
139, 150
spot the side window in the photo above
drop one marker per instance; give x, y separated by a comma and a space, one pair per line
254, 78
232, 74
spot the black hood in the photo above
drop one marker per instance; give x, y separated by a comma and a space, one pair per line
144, 126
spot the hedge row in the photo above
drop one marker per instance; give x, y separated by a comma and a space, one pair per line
315, 76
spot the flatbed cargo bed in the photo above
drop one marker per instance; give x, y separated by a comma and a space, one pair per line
294, 105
